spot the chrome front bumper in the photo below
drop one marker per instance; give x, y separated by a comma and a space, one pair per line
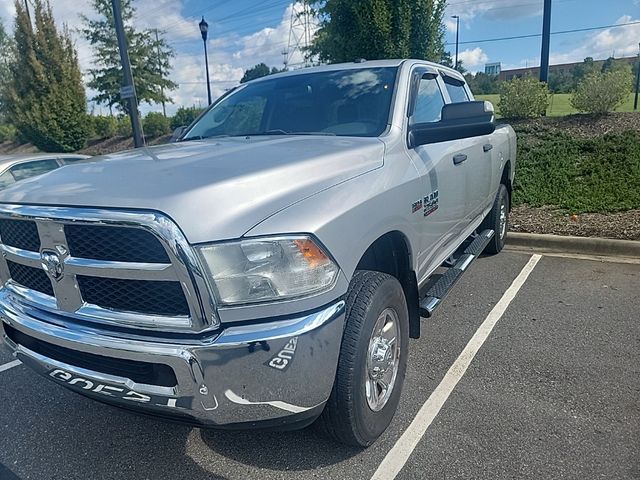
272, 372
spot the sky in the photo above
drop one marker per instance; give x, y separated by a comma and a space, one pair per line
243, 33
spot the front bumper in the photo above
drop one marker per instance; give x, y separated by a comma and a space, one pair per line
272, 373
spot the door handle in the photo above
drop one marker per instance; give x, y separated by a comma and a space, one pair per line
458, 159
487, 147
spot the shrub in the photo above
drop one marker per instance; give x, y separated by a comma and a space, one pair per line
7, 133
523, 98
185, 116
124, 126
602, 92
155, 125
104, 126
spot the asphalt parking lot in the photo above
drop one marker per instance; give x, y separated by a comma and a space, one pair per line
553, 392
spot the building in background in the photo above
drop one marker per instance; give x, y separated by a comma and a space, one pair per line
493, 68
557, 69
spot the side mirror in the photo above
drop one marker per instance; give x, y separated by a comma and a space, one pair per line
458, 120
177, 134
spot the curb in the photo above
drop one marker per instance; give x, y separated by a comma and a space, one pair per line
579, 245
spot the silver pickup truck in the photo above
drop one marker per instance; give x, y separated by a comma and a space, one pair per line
268, 268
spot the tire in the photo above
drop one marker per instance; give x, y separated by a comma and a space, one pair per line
348, 416
494, 221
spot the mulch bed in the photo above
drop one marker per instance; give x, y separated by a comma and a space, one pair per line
624, 225
584, 126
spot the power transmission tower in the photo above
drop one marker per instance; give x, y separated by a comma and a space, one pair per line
303, 24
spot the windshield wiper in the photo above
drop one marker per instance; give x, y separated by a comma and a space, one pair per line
205, 137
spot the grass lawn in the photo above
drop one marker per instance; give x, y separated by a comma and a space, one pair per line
560, 104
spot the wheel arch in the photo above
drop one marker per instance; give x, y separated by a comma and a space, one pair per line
391, 253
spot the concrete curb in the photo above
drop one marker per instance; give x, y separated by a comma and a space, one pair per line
579, 245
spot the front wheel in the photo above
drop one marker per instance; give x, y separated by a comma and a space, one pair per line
498, 221
372, 363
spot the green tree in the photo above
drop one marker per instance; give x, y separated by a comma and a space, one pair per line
185, 116
257, 71
602, 92
482, 84
377, 29
6, 58
45, 98
155, 124
150, 58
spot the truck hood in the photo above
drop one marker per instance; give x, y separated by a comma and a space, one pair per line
213, 189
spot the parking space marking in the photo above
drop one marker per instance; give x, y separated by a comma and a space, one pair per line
9, 365
397, 457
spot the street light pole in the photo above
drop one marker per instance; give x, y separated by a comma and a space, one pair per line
635, 102
204, 29
457, 17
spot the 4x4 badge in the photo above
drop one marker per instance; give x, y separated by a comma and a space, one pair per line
52, 264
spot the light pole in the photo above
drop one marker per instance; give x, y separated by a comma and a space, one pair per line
635, 102
457, 17
204, 29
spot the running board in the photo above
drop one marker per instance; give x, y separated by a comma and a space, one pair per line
439, 290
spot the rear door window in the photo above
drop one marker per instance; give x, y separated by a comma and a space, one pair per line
6, 179
456, 90
31, 169
72, 160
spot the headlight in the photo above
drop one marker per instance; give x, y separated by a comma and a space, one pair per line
267, 269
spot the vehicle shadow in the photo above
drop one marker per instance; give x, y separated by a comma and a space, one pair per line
51, 433
297, 450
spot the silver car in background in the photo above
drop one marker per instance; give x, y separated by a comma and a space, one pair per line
14, 168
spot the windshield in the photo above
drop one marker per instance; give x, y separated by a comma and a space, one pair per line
352, 102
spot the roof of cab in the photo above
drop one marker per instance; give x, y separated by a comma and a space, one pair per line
359, 64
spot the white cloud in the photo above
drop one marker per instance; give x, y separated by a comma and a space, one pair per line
473, 58
494, 9
617, 41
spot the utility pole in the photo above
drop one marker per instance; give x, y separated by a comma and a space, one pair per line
635, 102
26, 7
457, 17
164, 108
128, 90
546, 37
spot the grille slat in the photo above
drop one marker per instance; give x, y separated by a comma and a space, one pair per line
20, 234
143, 296
122, 244
29, 277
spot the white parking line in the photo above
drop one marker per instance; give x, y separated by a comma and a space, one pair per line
399, 454
9, 365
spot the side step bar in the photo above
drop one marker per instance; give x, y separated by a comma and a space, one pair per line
445, 283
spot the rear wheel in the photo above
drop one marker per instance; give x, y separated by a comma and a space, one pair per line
372, 363
498, 221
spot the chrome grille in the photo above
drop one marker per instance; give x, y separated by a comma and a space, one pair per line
29, 277
123, 268
116, 244
20, 234
144, 296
